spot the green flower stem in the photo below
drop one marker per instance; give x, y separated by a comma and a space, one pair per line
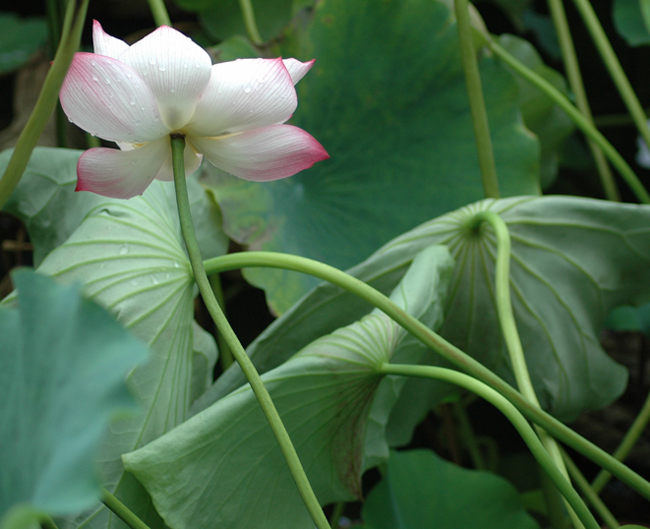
476, 101
122, 511
630, 439
159, 13
511, 334
263, 397
249, 20
337, 512
581, 122
437, 344
589, 493
468, 437
70, 36
614, 67
577, 87
513, 415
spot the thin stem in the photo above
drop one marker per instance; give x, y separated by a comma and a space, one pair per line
589, 493
159, 13
511, 334
630, 439
337, 512
513, 415
437, 344
468, 437
263, 397
249, 21
476, 101
614, 67
581, 122
577, 87
47, 100
122, 511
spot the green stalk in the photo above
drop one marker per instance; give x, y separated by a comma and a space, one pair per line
70, 36
159, 13
511, 334
122, 511
630, 439
614, 67
437, 344
589, 493
476, 101
225, 356
517, 420
337, 512
263, 397
23, 515
249, 21
581, 122
577, 87
468, 437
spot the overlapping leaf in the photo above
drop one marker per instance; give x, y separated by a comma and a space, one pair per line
225, 462
422, 490
63, 361
573, 260
20, 38
130, 257
387, 99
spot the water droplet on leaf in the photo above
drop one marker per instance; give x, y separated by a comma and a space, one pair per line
124, 249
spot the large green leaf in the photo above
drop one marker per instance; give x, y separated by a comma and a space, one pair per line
19, 39
46, 202
630, 22
223, 19
573, 261
225, 461
131, 259
387, 99
541, 115
422, 490
63, 360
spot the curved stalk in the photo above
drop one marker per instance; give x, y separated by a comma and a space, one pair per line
159, 13
476, 101
581, 122
122, 511
511, 334
249, 21
517, 420
253, 377
437, 344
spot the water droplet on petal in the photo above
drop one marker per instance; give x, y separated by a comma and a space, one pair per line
247, 89
141, 108
108, 81
172, 90
152, 61
161, 68
94, 63
132, 102
95, 78
185, 65
129, 75
124, 249
197, 65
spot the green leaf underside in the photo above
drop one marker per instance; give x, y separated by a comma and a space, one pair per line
573, 261
63, 360
422, 490
130, 257
387, 99
223, 19
630, 22
325, 397
20, 38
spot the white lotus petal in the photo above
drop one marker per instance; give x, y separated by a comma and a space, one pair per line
243, 95
297, 69
176, 70
121, 174
264, 154
104, 44
107, 98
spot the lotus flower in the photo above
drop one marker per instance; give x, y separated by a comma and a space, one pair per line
232, 113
